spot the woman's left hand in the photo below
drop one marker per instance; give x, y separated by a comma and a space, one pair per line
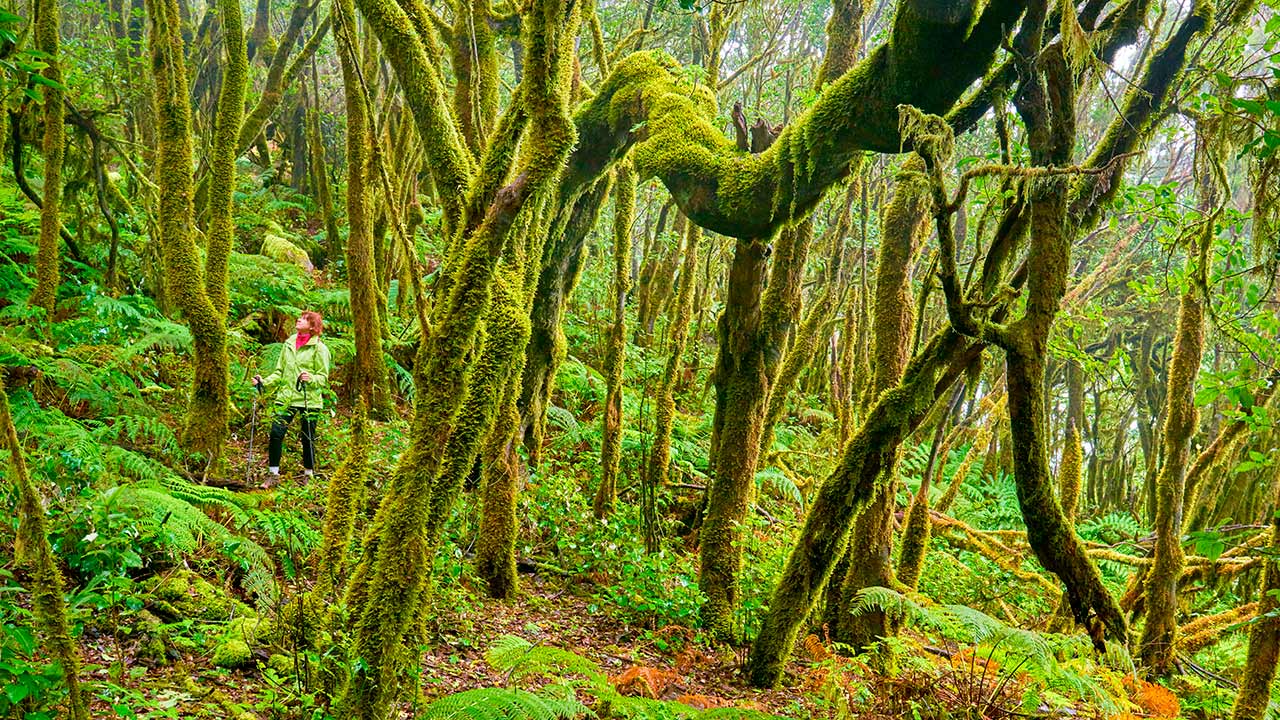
304, 376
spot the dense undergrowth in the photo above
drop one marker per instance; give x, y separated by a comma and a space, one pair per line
179, 591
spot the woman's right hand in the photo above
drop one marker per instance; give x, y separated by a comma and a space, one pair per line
257, 380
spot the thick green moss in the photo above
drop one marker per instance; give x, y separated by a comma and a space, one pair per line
232, 653
53, 147
346, 490
222, 158
369, 373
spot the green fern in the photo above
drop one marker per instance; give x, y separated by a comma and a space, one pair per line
1056, 663
781, 484
569, 674
506, 704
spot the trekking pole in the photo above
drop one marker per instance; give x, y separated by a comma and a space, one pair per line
253, 430
306, 410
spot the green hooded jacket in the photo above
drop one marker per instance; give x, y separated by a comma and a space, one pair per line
313, 358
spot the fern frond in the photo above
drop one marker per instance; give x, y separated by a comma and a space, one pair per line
503, 704
519, 659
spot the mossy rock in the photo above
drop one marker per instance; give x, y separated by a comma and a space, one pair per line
234, 647
183, 595
232, 654
153, 638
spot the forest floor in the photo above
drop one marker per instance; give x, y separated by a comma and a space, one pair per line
666, 664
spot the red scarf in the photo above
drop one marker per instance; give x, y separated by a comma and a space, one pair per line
301, 340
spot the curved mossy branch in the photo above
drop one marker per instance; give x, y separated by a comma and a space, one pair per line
222, 160
273, 90
558, 273
53, 146
446, 150
624, 210
871, 450
35, 557
933, 55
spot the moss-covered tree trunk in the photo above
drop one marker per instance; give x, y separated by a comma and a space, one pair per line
1264, 638
53, 147
658, 464
753, 331
1047, 106
368, 372
276, 82
205, 428
474, 59
846, 492
1180, 416
222, 160
342, 504
37, 562
611, 442
892, 330
482, 209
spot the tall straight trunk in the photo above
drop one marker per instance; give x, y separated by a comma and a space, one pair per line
205, 427
611, 443
222, 161
36, 560
659, 461
870, 561
753, 331
369, 372
500, 478
53, 145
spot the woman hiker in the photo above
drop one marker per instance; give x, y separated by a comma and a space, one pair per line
298, 382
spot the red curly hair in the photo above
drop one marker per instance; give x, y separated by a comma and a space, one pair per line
315, 320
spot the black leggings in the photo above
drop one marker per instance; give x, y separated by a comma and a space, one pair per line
280, 425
